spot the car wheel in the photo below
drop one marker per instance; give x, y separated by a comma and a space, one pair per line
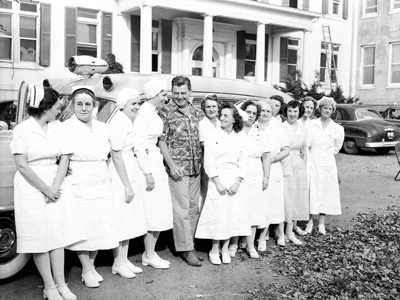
382, 151
350, 147
11, 262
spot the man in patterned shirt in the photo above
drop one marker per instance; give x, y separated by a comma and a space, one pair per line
180, 146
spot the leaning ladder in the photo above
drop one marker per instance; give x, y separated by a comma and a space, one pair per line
328, 47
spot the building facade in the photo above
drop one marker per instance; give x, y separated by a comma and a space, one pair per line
262, 41
378, 52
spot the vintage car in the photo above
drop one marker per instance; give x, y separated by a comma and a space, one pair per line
365, 128
392, 115
106, 88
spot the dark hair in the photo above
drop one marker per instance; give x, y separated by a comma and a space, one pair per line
181, 80
83, 91
238, 124
294, 104
49, 99
309, 98
251, 102
211, 97
278, 98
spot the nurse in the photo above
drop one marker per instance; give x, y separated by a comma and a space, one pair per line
225, 210
152, 177
90, 182
324, 140
124, 177
45, 211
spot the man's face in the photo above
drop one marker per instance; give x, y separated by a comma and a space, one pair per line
181, 95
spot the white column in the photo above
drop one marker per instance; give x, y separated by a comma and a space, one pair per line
228, 60
186, 59
208, 45
145, 39
260, 53
306, 63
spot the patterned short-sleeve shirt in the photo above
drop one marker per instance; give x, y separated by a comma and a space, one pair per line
181, 134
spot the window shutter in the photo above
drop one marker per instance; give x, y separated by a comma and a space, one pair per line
266, 56
135, 43
45, 29
345, 9
106, 34
283, 59
70, 33
306, 4
325, 6
285, 2
240, 53
166, 47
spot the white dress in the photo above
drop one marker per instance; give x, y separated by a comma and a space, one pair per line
130, 219
224, 216
323, 144
41, 226
254, 147
273, 196
295, 176
157, 203
91, 184
206, 130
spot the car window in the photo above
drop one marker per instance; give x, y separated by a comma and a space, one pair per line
366, 114
7, 115
337, 115
394, 114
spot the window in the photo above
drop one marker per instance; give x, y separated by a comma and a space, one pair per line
250, 58
368, 65
87, 32
293, 3
370, 7
335, 7
155, 46
394, 73
197, 62
329, 56
19, 28
288, 58
394, 6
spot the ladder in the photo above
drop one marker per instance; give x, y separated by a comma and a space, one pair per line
330, 60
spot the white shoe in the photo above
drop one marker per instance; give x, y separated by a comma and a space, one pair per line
299, 231
309, 227
252, 253
294, 240
90, 279
65, 292
156, 262
98, 276
262, 246
226, 259
133, 268
281, 241
123, 271
214, 258
232, 250
321, 229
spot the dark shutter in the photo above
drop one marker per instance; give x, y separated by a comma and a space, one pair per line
345, 9
306, 4
70, 33
283, 59
106, 34
135, 43
266, 57
325, 6
285, 2
240, 53
45, 29
166, 48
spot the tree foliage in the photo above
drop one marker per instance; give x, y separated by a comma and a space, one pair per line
295, 87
